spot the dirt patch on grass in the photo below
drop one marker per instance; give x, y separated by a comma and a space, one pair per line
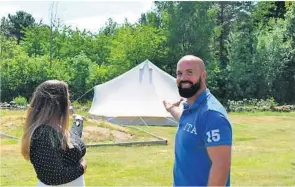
8, 123
14, 148
102, 134
105, 124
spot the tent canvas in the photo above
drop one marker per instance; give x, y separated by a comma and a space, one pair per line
136, 97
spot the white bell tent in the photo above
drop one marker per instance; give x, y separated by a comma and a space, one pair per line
136, 97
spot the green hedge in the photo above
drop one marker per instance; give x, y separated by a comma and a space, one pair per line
251, 105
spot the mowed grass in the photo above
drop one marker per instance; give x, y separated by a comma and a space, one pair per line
263, 155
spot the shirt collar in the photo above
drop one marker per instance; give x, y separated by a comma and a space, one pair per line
198, 101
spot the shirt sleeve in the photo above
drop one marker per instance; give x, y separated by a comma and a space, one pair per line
48, 164
218, 129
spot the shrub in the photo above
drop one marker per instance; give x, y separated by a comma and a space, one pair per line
21, 101
252, 105
81, 106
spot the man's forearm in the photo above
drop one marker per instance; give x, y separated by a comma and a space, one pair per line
175, 112
218, 175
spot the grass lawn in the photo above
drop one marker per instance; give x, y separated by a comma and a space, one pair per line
263, 155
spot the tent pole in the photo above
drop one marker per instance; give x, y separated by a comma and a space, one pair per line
172, 120
83, 94
143, 121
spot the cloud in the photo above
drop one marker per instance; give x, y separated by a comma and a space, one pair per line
8, 9
130, 11
94, 23
12, 9
89, 15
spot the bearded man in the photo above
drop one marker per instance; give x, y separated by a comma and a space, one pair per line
203, 139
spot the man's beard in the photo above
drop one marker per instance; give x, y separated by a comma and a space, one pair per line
189, 92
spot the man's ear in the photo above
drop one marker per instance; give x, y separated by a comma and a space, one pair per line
204, 75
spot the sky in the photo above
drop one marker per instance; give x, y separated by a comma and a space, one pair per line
89, 15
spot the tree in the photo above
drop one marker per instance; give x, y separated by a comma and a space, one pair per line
242, 76
151, 19
286, 81
109, 28
226, 14
188, 27
19, 22
36, 40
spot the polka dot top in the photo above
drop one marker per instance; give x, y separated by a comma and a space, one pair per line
53, 165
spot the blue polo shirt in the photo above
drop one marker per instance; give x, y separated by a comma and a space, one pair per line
204, 123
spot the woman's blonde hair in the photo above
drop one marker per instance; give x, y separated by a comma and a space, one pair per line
50, 102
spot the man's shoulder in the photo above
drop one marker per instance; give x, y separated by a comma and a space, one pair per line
214, 106
215, 112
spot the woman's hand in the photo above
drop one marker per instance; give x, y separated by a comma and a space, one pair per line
77, 117
84, 164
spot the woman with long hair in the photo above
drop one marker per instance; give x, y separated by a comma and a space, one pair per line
55, 152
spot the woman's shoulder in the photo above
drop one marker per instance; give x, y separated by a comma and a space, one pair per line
45, 133
44, 130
